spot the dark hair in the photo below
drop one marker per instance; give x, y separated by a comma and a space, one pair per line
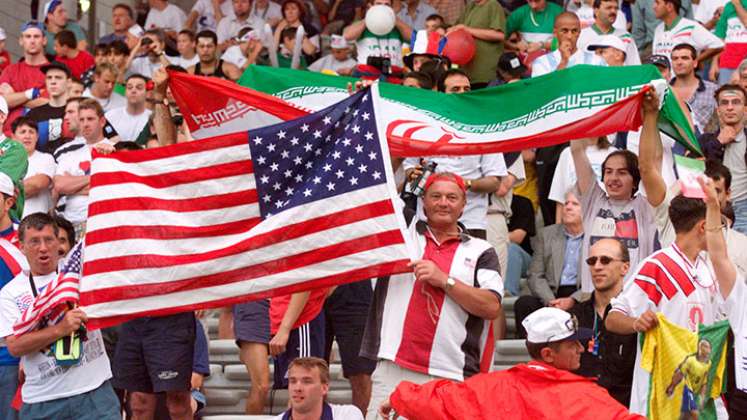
446, 75
301, 9
685, 212
137, 76
76, 80
535, 349
127, 145
716, 170
189, 33
289, 32
77, 99
631, 164
434, 69
676, 3
424, 79
439, 18
36, 221
311, 363
598, 3
727, 87
207, 33
125, 7
683, 46
243, 31
66, 39
29, 122
68, 227
119, 47
100, 48
158, 33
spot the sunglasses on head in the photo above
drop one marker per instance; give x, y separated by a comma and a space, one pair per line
604, 259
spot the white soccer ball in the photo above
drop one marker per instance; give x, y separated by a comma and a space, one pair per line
380, 19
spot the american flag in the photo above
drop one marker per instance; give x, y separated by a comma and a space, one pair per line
303, 204
50, 305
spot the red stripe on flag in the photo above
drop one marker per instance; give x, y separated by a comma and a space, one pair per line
11, 262
650, 290
218, 201
171, 179
165, 232
373, 271
655, 273
676, 272
284, 233
179, 149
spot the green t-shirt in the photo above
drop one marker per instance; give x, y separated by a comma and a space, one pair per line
70, 26
285, 62
14, 162
489, 15
533, 26
120, 89
389, 45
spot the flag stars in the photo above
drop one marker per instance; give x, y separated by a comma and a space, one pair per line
318, 152
297, 160
317, 134
274, 167
307, 147
261, 160
298, 178
271, 147
330, 186
276, 186
369, 135
376, 175
264, 179
350, 161
353, 181
362, 168
340, 173
359, 149
336, 154
294, 141
327, 120
365, 116
267, 198
305, 128
355, 113
327, 167
309, 165
316, 180
258, 140
372, 155
346, 142
356, 129
281, 134
307, 192
279, 203
289, 191
288, 173
284, 154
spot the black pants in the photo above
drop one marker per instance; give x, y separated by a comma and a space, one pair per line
525, 305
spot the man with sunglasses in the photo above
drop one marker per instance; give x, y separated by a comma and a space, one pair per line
553, 337
675, 280
607, 356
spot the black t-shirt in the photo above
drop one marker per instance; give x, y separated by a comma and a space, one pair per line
49, 121
522, 217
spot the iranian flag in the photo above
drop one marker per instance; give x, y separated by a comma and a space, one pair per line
583, 101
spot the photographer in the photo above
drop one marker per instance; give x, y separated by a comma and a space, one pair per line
387, 46
148, 55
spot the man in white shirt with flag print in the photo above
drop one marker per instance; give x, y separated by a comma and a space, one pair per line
675, 281
437, 324
674, 30
567, 29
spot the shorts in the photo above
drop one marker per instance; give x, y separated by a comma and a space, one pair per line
251, 322
155, 354
345, 313
98, 404
689, 401
304, 341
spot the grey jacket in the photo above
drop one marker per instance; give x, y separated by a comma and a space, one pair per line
547, 263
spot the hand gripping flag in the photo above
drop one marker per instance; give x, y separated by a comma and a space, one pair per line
304, 204
52, 303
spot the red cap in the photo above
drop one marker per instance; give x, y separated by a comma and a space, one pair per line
445, 176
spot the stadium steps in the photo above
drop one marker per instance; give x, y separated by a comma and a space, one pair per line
238, 417
233, 401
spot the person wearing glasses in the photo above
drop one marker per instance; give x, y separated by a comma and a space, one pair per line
607, 356
544, 388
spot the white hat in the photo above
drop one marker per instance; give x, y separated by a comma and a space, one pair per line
2, 34
50, 6
3, 106
606, 41
6, 185
338, 42
548, 325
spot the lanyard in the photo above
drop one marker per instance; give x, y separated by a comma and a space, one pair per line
33, 286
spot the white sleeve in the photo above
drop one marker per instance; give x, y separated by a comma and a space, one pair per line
410, 163
564, 177
493, 164
632, 301
663, 223
9, 314
221, 30
62, 166
179, 19
199, 7
317, 65
734, 306
47, 167
632, 57
540, 67
704, 39
488, 277
346, 412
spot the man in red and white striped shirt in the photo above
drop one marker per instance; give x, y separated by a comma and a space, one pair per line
436, 324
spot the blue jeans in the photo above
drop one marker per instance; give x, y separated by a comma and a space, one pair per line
98, 404
8, 386
740, 215
518, 264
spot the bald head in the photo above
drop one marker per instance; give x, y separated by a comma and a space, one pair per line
567, 29
567, 18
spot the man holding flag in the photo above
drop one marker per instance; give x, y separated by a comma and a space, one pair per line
54, 388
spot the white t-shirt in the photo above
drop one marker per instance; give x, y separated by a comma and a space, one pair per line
468, 167
592, 33
183, 62
234, 56
706, 9
45, 381
40, 163
684, 31
273, 11
229, 26
75, 159
206, 19
143, 65
329, 62
667, 161
565, 171
586, 15
550, 61
171, 18
339, 412
114, 100
371, 45
669, 283
736, 312
128, 126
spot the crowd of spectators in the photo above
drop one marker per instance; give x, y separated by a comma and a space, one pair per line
569, 227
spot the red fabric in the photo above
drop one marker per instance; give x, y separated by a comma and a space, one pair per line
278, 306
424, 310
732, 55
20, 76
528, 391
7, 61
442, 177
78, 65
17, 399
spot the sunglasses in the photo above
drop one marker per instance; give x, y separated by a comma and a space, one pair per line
592, 261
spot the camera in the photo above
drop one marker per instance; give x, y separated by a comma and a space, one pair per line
146, 41
383, 64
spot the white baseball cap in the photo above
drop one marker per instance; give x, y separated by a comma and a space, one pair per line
3, 36
547, 325
3, 106
6, 185
606, 41
338, 42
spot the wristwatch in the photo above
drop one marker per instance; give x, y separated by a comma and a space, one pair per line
450, 283
469, 184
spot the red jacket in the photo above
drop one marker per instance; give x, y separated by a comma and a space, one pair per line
527, 391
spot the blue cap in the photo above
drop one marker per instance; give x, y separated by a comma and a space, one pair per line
32, 24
